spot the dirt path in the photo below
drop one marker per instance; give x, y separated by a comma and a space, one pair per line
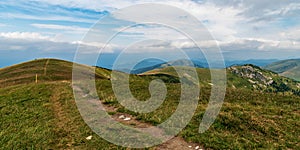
63, 123
176, 143
173, 144
58, 109
45, 67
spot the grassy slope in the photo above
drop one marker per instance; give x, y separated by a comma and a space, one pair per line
248, 119
44, 114
46, 70
287, 68
281, 84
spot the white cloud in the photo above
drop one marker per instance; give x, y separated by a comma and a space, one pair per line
243, 44
95, 47
42, 46
292, 34
225, 19
22, 44
151, 31
36, 41
222, 21
61, 27
24, 35
256, 25
280, 46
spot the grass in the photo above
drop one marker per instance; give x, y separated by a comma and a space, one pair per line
248, 119
251, 120
44, 115
37, 117
47, 70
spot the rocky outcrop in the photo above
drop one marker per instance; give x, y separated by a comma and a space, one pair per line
253, 74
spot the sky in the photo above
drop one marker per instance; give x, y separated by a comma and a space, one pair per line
243, 29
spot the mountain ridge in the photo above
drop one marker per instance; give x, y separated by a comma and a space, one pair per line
255, 77
288, 68
148, 65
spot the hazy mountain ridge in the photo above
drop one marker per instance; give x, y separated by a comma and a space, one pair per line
288, 68
147, 65
138, 69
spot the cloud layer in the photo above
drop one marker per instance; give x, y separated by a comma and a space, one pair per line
240, 27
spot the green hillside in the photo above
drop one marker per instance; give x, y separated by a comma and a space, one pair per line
287, 68
45, 70
244, 77
43, 115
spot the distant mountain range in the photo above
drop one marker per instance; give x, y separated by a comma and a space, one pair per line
288, 68
256, 62
145, 65
151, 64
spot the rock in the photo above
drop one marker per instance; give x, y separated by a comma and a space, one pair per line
253, 74
89, 137
233, 86
270, 82
197, 147
122, 117
190, 146
251, 81
127, 119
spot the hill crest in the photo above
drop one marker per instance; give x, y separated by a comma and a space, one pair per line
288, 68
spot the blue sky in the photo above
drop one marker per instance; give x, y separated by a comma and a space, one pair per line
252, 29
